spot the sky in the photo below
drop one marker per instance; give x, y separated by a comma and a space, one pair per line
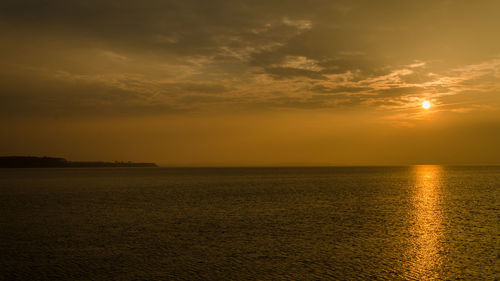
251, 82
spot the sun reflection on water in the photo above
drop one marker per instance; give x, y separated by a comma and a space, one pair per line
427, 220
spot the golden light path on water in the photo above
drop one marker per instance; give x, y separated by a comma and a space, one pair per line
425, 256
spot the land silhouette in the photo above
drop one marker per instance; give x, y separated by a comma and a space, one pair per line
55, 162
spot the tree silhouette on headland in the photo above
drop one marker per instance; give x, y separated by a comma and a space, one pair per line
54, 162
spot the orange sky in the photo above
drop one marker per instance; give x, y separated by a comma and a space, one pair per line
251, 82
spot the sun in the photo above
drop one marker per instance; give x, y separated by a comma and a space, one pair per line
426, 104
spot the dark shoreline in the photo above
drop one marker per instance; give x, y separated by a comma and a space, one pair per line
54, 162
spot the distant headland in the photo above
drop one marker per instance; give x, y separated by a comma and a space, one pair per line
54, 162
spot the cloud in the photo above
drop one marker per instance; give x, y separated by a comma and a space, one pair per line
290, 72
339, 89
96, 57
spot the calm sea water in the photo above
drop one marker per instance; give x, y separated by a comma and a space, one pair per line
399, 223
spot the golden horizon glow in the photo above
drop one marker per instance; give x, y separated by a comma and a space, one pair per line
426, 104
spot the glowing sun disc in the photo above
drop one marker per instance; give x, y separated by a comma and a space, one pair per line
426, 104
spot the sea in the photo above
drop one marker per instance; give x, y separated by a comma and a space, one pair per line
270, 223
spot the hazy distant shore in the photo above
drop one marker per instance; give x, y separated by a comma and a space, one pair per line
54, 162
